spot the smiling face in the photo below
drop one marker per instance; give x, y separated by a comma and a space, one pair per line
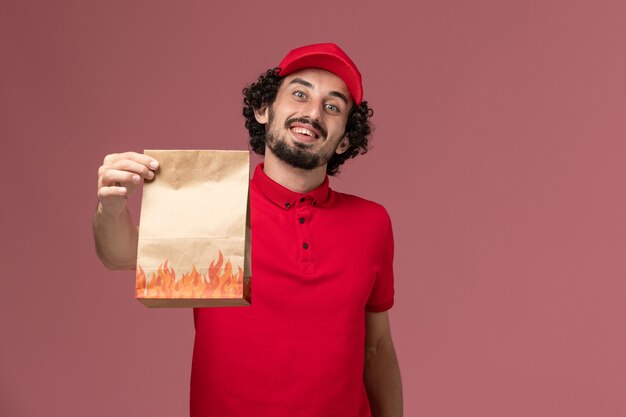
306, 123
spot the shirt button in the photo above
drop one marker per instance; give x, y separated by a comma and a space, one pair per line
302, 200
287, 205
305, 246
301, 220
315, 203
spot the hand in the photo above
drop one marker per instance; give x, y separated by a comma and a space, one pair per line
118, 177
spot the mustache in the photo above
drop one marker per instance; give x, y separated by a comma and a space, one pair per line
306, 120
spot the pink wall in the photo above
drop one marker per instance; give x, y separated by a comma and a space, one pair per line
499, 153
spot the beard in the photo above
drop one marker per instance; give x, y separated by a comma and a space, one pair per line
298, 155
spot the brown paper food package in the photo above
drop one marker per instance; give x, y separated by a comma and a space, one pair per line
194, 230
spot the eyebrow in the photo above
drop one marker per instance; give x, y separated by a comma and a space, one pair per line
301, 81
309, 85
341, 96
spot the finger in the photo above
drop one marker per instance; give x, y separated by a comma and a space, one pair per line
113, 191
140, 158
111, 176
132, 166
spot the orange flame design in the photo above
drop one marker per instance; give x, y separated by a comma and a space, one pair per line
218, 284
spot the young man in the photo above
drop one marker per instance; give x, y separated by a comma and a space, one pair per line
316, 340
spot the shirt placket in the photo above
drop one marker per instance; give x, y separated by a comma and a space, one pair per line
303, 211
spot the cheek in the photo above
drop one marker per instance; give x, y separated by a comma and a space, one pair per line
340, 128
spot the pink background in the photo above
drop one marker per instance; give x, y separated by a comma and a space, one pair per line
499, 152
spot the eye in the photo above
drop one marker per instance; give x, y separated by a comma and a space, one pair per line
299, 94
332, 108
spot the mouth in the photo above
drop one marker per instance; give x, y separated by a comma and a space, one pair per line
303, 133
305, 130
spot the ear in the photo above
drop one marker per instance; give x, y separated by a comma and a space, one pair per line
343, 145
261, 115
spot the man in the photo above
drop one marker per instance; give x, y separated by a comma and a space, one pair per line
316, 339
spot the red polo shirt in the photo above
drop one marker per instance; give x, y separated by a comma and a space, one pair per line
320, 260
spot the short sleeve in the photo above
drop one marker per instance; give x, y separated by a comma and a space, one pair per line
382, 295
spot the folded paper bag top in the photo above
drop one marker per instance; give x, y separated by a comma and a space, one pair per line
194, 230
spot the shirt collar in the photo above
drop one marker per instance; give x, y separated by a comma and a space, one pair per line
285, 197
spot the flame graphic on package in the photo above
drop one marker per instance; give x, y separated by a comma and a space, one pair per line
220, 283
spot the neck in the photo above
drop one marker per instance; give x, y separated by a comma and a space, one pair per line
290, 177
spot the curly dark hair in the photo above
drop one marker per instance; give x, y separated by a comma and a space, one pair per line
263, 93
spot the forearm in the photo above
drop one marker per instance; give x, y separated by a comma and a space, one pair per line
116, 239
382, 380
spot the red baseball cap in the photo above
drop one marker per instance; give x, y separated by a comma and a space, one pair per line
327, 56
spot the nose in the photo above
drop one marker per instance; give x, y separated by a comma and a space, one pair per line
313, 109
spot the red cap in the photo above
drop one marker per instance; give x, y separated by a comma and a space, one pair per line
329, 57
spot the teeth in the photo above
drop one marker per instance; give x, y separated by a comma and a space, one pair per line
303, 131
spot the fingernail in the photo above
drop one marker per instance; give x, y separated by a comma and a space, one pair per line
136, 179
154, 164
150, 175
